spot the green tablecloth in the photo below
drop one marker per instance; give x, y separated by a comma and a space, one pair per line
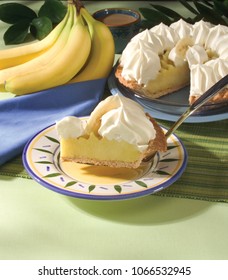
206, 175
39, 224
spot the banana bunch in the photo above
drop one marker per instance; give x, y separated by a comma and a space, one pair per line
80, 48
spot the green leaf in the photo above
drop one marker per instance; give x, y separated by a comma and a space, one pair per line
118, 188
52, 139
52, 175
44, 162
43, 150
207, 3
222, 8
53, 9
142, 184
154, 16
147, 24
16, 33
71, 183
91, 188
168, 12
41, 27
14, 12
162, 172
209, 14
58, 161
169, 160
212, 11
189, 7
194, 19
172, 147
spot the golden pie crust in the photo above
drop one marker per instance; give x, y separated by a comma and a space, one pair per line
220, 97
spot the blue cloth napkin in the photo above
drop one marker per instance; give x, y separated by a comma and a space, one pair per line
22, 117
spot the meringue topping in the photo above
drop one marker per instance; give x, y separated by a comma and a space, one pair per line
119, 119
140, 59
140, 62
204, 76
127, 122
196, 55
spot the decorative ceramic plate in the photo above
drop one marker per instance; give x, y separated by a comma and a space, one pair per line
171, 106
41, 158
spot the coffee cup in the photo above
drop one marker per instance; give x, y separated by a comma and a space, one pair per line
123, 23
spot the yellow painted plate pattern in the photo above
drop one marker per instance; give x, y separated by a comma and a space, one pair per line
41, 159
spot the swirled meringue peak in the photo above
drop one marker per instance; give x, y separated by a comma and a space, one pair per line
219, 66
130, 49
200, 32
221, 47
204, 76
140, 63
182, 28
70, 127
196, 55
124, 120
152, 39
168, 35
214, 35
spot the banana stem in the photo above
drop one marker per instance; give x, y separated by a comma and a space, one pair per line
78, 4
89, 20
80, 8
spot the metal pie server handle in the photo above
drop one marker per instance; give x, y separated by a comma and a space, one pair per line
198, 103
194, 107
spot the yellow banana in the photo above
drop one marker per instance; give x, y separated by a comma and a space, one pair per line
59, 70
18, 55
43, 59
102, 53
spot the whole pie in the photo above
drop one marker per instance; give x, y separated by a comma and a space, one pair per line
165, 59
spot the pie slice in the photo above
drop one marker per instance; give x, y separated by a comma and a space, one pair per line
117, 134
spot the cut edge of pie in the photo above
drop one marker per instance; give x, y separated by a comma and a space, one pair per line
169, 79
93, 149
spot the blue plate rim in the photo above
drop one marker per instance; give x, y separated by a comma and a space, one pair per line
66, 192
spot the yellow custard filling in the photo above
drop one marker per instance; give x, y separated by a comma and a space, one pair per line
98, 149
